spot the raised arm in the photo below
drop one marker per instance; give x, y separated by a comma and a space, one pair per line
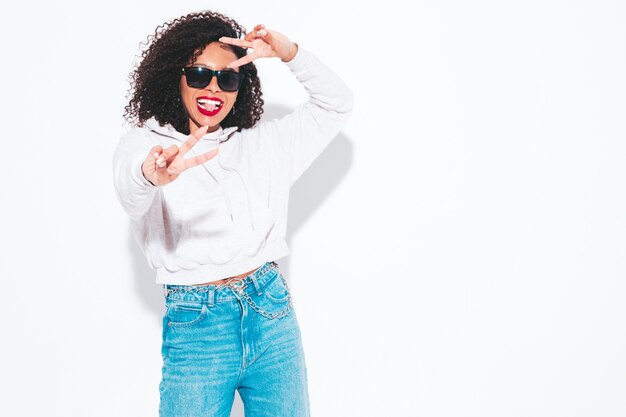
303, 134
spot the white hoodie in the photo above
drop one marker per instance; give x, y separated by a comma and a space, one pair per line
228, 215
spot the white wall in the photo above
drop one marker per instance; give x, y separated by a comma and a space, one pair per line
458, 250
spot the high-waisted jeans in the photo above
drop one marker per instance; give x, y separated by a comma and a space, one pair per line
244, 337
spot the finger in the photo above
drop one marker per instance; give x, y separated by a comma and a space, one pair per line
154, 153
173, 171
266, 36
243, 60
250, 36
237, 42
193, 139
166, 156
200, 159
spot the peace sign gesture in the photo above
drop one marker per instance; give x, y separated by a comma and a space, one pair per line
162, 167
266, 43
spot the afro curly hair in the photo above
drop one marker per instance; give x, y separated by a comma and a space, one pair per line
155, 81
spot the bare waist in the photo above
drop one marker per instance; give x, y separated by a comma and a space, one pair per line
230, 279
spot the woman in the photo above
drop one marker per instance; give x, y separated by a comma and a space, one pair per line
206, 187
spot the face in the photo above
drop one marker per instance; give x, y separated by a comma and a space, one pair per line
215, 56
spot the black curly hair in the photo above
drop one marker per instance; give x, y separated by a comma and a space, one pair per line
155, 81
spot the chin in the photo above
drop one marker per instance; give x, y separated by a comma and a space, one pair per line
208, 121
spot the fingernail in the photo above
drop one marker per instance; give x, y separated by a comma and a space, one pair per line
156, 154
161, 164
220, 39
160, 161
262, 32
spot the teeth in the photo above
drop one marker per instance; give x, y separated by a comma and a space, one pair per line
208, 104
208, 101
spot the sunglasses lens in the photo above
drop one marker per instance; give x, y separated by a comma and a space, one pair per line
229, 80
198, 77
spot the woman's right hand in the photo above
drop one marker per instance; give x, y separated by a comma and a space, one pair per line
162, 167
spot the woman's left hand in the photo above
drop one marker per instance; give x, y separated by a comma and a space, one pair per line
266, 43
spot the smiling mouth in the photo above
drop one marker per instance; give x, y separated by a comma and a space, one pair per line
209, 107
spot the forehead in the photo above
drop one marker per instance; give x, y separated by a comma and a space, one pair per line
216, 55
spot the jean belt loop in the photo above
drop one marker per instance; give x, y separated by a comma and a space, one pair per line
211, 295
257, 287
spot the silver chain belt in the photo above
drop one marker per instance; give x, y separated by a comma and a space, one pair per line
239, 285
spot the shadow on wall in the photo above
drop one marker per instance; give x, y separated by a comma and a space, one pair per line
306, 195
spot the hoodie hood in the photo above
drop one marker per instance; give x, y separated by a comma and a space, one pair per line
213, 138
218, 136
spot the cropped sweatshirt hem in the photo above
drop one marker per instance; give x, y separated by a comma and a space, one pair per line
228, 215
272, 251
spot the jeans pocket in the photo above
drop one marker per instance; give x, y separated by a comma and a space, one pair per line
184, 314
276, 290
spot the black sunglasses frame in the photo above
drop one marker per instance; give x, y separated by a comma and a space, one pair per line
211, 73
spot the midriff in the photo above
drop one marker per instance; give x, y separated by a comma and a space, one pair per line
224, 280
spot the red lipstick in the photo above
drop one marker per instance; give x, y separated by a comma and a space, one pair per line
209, 106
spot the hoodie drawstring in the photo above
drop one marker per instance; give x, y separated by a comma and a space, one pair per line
269, 182
244, 186
230, 209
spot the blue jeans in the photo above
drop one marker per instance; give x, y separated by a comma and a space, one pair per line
245, 337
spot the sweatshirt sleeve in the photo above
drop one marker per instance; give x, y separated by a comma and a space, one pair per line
303, 134
133, 190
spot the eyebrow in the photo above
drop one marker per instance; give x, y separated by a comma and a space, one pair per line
205, 66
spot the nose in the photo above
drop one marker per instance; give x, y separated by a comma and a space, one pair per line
213, 85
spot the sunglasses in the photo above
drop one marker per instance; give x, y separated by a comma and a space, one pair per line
200, 77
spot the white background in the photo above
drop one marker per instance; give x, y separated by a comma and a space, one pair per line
458, 250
